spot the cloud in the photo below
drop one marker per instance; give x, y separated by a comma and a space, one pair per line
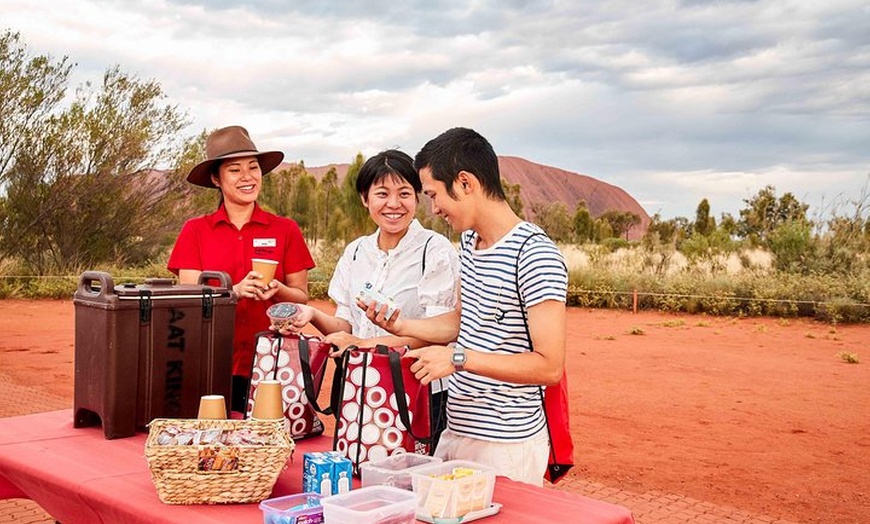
672, 101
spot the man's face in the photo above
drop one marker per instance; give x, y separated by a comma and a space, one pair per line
443, 205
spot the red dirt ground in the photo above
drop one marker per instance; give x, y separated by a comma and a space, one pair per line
757, 413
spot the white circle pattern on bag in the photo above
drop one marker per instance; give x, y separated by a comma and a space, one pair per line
393, 401
285, 376
264, 347
377, 453
352, 431
283, 359
367, 414
349, 392
370, 434
350, 411
376, 396
373, 377
352, 450
291, 394
384, 418
392, 438
296, 411
267, 362
356, 376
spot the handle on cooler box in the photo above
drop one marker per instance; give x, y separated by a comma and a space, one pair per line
220, 276
159, 281
88, 278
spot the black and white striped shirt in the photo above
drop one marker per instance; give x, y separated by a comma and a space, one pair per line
492, 321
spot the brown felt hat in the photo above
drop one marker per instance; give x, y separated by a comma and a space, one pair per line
230, 142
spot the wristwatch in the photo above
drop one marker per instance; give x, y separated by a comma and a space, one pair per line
458, 358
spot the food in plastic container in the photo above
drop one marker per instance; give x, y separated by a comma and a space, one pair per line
281, 314
453, 488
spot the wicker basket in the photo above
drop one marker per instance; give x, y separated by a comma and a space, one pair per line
176, 469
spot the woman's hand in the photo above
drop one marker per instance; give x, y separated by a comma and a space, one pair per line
378, 315
252, 287
268, 291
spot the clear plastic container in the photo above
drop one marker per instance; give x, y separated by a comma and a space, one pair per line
395, 470
453, 488
281, 314
301, 508
371, 505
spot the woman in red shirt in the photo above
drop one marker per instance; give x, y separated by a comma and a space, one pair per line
239, 231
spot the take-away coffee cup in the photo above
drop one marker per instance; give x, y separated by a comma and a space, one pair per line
264, 267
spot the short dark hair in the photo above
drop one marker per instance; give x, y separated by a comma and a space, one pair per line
390, 162
462, 149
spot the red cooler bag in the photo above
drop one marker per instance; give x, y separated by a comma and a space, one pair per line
298, 364
381, 409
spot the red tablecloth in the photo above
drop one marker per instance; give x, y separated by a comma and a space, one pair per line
79, 477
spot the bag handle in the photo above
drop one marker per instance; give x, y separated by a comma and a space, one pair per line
307, 376
529, 336
336, 393
395, 360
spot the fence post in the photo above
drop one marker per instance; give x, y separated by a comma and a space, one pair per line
634, 300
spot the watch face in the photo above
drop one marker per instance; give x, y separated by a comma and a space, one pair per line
458, 358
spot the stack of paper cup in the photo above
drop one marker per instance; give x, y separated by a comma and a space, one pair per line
212, 407
268, 404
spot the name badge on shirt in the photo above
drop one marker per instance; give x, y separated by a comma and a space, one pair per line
265, 242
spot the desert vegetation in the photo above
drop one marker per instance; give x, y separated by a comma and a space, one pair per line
96, 180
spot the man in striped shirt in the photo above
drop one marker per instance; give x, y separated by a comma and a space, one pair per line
509, 329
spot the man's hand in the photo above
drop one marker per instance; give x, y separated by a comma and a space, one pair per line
433, 362
341, 340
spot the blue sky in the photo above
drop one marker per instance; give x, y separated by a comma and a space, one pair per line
673, 101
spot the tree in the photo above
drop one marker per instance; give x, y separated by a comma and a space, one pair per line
553, 218
303, 202
765, 212
792, 246
82, 188
704, 223
582, 223
358, 222
327, 191
514, 200
620, 222
31, 87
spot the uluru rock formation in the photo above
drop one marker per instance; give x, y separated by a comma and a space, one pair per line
540, 183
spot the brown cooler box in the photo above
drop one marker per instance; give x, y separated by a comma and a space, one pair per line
150, 351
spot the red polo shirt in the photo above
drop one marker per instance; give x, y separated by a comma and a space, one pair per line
213, 243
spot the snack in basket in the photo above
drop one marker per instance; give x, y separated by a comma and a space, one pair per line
214, 461
281, 314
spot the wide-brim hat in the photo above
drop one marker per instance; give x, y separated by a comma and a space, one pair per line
230, 142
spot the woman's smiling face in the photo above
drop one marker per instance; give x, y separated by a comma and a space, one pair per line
240, 179
392, 203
